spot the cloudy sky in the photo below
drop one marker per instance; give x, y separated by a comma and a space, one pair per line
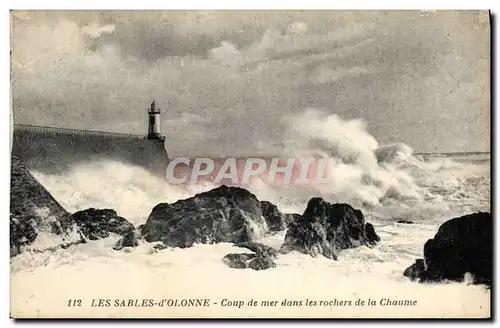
229, 81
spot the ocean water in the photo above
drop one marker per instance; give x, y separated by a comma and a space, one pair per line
388, 183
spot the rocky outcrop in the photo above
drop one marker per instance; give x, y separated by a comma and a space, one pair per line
37, 221
371, 235
461, 245
159, 246
99, 223
131, 239
223, 214
275, 219
259, 249
262, 258
261, 263
238, 260
415, 270
325, 229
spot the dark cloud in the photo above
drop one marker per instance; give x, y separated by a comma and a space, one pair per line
226, 80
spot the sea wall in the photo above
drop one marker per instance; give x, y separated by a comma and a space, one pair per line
55, 150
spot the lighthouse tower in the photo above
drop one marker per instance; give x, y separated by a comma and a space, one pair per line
154, 123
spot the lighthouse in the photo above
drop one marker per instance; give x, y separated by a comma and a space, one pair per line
154, 123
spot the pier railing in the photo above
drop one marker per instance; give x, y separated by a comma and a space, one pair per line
65, 131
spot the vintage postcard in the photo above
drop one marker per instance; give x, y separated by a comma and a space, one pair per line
250, 164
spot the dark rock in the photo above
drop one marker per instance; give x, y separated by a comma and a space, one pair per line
261, 263
405, 221
325, 229
262, 259
160, 246
431, 276
33, 211
275, 220
259, 249
461, 245
291, 218
223, 214
371, 235
22, 232
96, 224
129, 240
414, 272
238, 261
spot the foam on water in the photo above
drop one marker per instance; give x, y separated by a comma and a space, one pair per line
94, 270
387, 182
